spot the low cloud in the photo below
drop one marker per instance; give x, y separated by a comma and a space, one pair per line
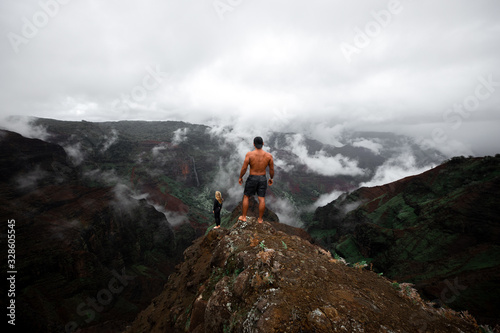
350, 207
109, 140
227, 174
320, 162
180, 135
123, 198
329, 134
325, 199
30, 180
448, 148
226, 178
107, 177
395, 168
281, 164
158, 150
374, 147
238, 138
173, 218
25, 126
286, 211
160, 155
75, 153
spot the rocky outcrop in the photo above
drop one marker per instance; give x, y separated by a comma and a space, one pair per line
269, 216
253, 210
438, 230
255, 278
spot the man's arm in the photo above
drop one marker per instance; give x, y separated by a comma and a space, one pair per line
244, 168
271, 170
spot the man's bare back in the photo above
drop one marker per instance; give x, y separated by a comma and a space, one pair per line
258, 160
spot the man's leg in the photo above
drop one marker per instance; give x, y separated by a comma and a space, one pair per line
262, 208
244, 209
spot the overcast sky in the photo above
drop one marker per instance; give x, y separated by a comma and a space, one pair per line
430, 69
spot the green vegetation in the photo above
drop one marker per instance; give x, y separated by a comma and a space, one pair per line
349, 250
322, 233
394, 213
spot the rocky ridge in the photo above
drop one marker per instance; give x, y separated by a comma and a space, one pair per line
254, 278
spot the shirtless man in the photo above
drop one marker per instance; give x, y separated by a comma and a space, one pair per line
258, 160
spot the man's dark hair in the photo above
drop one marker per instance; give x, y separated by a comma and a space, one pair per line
258, 142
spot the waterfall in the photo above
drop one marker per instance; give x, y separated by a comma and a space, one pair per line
195, 173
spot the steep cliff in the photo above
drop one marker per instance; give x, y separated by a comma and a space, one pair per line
254, 278
85, 256
439, 230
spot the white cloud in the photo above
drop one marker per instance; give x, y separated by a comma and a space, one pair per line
24, 125
329, 134
123, 198
157, 151
325, 199
283, 165
370, 145
286, 211
320, 162
109, 140
180, 135
173, 218
396, 168
75, 152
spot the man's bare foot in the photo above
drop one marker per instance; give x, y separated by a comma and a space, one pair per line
260, 220
217, 227
242, 219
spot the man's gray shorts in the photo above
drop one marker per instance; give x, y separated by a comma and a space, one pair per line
256, 184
